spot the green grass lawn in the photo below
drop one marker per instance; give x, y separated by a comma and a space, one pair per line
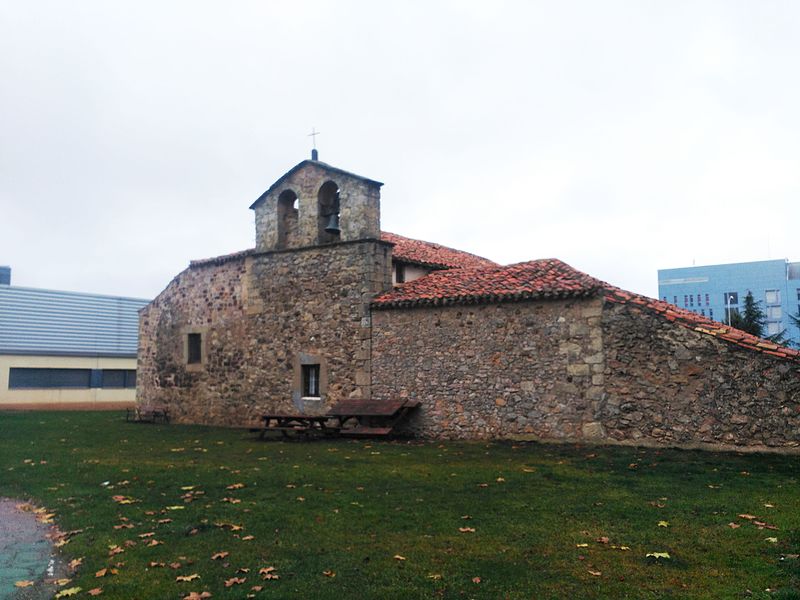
376, 519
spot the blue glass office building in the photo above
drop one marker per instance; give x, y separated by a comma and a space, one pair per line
715, 290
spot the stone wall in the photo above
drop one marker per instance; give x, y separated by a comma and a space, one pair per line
672, 385
260, 317
581, 370
490, 371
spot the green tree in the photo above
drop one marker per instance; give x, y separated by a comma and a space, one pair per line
751, 319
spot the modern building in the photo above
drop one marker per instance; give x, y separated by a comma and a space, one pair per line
66, 349
716, 290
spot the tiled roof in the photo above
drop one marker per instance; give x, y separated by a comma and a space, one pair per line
219, 260
433, 255
538, 279
699, 323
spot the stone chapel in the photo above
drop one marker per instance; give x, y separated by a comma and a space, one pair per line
327, 306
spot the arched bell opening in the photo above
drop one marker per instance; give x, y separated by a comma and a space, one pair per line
288, 216
328, 229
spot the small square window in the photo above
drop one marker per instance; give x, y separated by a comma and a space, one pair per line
194, 354
675, 298
711, 312
774, 312
707, 300
773, 296
773, 328
311, 381
399, 273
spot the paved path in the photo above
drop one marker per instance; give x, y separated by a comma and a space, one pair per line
25, 553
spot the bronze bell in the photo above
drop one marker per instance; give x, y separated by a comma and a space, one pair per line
333, 224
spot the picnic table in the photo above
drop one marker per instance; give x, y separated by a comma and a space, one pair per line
297, 423
352, 417
147, 414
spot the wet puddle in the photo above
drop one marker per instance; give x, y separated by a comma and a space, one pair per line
28, 562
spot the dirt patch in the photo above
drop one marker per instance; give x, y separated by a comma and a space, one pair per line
27, 552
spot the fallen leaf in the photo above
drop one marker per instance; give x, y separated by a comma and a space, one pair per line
748, 517
663, 523
602, 540
61, 582
176, 507
23, 583
733, 525
329, 573
154, 564
75, 563
73, 591
147, 535
435, 576
95, 591
197, 596
595, 573
771, 540
235, 486
219, 555
235, 581
466, 529
476, 580
247, 538
398, 557
154, 543
581, 545
658, 555
257, 588
101, 573
191, 577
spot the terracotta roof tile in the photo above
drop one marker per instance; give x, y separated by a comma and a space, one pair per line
538, 279
433, 255
218, 260
701, 324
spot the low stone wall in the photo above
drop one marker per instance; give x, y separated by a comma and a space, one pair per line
672, 385
494, 370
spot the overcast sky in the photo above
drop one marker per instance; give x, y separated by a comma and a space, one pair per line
620, 137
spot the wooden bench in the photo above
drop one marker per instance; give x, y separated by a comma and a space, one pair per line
351, 418
147, 415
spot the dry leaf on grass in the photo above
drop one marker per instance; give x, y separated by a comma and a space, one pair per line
191, 577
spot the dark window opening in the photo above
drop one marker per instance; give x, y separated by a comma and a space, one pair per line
20, 378
119, 378
194, 354
23, 378
311, 381
400, 273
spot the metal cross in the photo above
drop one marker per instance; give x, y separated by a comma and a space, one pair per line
313, 135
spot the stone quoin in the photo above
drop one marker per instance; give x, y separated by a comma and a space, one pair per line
328, 307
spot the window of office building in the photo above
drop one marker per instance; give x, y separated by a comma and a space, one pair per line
707, 300
774, 312
773, 328
773, 296
711, 312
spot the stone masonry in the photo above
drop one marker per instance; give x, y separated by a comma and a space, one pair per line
536, 349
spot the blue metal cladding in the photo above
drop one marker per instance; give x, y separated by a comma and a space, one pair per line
48, 322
